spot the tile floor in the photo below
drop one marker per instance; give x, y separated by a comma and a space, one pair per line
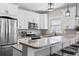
6, 51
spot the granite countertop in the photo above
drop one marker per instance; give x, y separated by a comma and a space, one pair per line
39, 43
43, 42
18, 47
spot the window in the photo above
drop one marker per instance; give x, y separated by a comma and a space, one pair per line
56, 25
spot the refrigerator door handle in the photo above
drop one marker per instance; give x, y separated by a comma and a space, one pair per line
5, 30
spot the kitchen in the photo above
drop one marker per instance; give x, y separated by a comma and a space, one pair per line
39, 29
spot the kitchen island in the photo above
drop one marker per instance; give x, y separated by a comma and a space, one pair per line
41, 47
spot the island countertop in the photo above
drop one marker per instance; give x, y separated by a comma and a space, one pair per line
43, 42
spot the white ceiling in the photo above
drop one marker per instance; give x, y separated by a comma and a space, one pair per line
39, 7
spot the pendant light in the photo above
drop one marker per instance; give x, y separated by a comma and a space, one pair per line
68, 11
50, 6
76, 16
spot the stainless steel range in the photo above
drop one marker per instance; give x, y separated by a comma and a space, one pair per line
8, 29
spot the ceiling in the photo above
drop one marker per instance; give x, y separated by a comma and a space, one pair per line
40, 7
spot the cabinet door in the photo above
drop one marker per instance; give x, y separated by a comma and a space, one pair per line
22, 19
43, 21
46, 21
23, 23
37, 17
36, 20
33, 17
30, 16
56, 47
16, 52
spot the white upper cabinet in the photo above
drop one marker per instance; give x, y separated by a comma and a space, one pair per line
35, 19
43, 21
22, 19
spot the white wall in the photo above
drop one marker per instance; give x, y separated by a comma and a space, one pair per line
69, 21
66, 21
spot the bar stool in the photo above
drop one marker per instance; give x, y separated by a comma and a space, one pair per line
71, 45
69, 50
55, 54
76, 44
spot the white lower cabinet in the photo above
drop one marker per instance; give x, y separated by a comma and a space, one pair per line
56, 47
45, 51
27, 51
17, 52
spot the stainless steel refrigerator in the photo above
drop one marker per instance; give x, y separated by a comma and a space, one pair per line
8, 30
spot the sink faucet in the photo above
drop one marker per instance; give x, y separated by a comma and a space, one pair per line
54, 33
